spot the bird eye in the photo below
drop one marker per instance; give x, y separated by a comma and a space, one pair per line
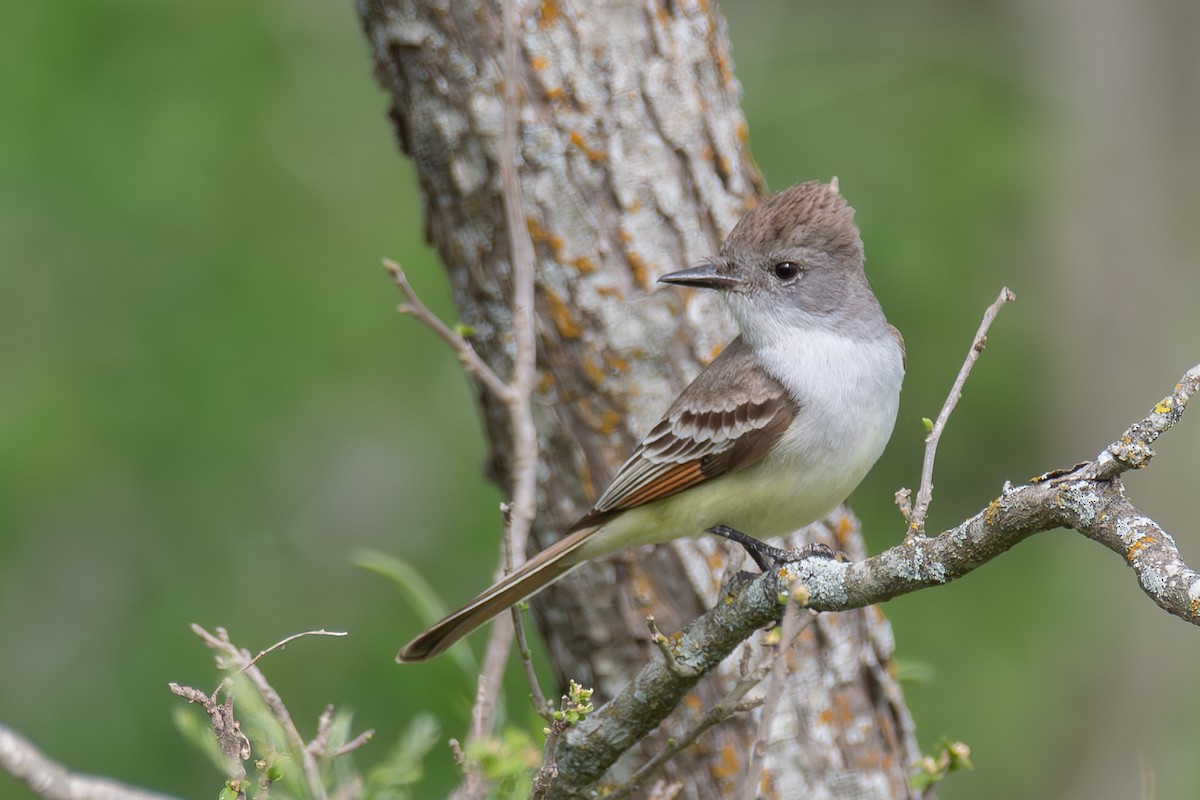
786, 270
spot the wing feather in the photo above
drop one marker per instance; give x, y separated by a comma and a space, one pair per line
703, 436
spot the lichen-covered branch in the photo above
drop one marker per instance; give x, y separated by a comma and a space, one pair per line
51, 781
1088, 498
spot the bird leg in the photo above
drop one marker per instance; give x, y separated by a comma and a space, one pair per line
767, 556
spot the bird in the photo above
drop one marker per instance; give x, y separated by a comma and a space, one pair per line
773, 434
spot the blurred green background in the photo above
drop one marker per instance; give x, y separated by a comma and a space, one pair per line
208, 403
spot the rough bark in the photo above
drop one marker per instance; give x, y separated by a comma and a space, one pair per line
633, 162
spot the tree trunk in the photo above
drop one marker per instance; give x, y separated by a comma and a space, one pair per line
633, 163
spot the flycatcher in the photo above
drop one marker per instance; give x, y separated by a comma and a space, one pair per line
771, 435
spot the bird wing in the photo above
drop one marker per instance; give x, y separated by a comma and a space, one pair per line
705, 434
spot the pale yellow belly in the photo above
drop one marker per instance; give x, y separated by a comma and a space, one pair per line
770, 499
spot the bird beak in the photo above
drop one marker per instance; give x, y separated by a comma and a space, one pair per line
705, 276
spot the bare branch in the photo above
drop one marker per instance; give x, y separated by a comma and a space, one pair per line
241, 658
523, 507
916, 517
544, 709
467, 356
320, 742
356, 742
517, 396
540, 703
51, 781
284, 642
228, 731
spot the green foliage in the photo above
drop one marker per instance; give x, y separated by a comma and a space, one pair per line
396, 777
947, 757
508, 762
576, 705
275, 763
421, 596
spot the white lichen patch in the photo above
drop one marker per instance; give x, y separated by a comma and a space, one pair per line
916, 568
1082, 499
1131, 529
825, 579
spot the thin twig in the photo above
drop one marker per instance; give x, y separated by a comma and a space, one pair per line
220, 642
285, 642
540, 703
516, 394
356, 742
920, 508
467, 356
320, 742
544, 709
523, 507
544, 780
519, 392
795, 620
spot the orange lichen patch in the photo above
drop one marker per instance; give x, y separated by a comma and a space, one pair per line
706, 153
766, 786
693, 703
728, 764
724, 167
634, 205
641, 273
660, 14
825, 717
615, 362
555, 93
548, 13
1141, 544
539, 235
1163, 406
593, 372
845, 526
609, 421
714, 352
626, 236
539, 63
544, 382
715, 560
592, 153
843, 709
568, 327
1194, 607
610, 292
991, 512
584, 264
742, 131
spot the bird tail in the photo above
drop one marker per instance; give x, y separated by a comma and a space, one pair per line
534, 575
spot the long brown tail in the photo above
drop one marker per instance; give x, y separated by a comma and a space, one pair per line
534, 575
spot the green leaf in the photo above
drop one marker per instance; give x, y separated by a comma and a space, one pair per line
421, 596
